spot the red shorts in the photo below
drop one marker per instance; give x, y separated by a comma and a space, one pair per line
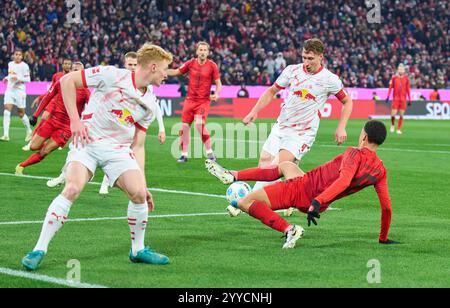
290, 193
49, 108
399, 104
192, 109
59, 133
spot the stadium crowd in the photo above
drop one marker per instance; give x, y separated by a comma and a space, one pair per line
251, 40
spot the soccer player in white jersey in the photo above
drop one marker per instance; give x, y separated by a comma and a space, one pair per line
310, 84
131, 64
16, 95
110, 134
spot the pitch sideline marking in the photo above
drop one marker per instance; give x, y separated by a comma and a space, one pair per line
49, 279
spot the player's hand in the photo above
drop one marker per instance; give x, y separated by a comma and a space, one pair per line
162, 137
150, 203
213, 98
341, 135
33, 121
313, 212
80, 133
388, 242
35, 103
250, 118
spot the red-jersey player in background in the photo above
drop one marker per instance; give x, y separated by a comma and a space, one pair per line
400, 84
66, 68
314, 191
55, 132
202, 73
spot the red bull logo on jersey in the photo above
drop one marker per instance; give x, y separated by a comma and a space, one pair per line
305, 95
124, 116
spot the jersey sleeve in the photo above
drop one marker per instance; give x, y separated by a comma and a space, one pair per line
283, 81
349, 166
52, 92
336, 87
216, 73
25, 76
99, 76
381, 187
185, 67
144, 123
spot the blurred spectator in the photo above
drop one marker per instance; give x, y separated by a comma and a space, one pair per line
375, 97
243, 35
243, 92
434, 96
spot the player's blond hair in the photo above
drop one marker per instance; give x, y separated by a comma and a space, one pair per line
131, 54
204, 44
149, 52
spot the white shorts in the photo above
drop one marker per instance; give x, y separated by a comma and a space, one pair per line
113, 162
17, 98
290, 140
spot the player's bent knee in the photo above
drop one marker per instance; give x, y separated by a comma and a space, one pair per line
71, 191
138, 196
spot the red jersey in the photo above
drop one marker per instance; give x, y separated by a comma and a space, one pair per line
201, 78
347, 174
59, 114
55, 78
401, 87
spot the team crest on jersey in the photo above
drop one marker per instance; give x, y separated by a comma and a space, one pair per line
124, 116
305, 95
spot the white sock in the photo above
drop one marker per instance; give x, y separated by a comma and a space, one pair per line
26, 122
105, 181
137, 220
56, 216
259, 185
209, 151
6, 122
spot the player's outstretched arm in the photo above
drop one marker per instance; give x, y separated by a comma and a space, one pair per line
173, 72
341, 133
262, 103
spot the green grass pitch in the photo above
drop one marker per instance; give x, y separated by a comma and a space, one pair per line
215, 250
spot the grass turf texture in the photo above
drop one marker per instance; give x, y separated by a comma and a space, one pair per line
219, 251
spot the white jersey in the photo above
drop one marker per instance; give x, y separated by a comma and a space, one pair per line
116, 108
308, 94
22, 72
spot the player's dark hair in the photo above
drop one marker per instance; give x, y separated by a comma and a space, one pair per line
18, 50
66, 58
376, 132
314, 45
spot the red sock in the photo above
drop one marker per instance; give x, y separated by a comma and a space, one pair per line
267, 216
33, 159
393, 120
267, 174
400, 123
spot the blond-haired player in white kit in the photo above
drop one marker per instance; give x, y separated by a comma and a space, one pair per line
293, 135
111, 135
130, 63
16, 95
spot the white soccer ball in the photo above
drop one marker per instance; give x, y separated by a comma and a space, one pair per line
236, 191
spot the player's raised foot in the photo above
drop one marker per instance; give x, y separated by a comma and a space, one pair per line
399, 132
289, 212
26, 147
29, 136
183, 159
211, 156
19, 170
60, 149
392, 128
233, 212
292, 236
56, 181
32, 260
148, 256
224, 175
4, 138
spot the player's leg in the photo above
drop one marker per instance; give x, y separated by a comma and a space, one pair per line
6, 118
39, 156
44, 118
187, 117
260, 205
400, 121
132, 182
393, 114
26, 123
201, 114
77, 176
290, 170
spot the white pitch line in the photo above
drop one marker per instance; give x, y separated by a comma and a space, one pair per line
98, 184
49, 279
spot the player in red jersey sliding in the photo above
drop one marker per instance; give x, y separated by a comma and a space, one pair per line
401, 86
313, 192
55, 131
66, 68
202, 73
